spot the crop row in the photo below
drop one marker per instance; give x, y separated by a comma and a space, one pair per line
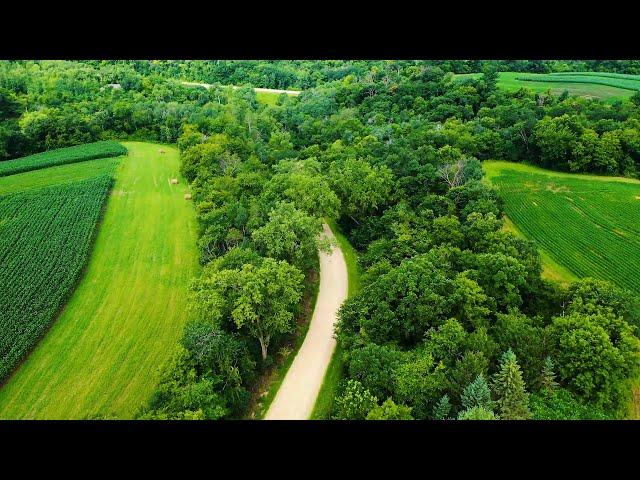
585, 232
62, 156
45, 238
626, 83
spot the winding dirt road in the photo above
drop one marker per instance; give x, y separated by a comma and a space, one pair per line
268, 90
298, 392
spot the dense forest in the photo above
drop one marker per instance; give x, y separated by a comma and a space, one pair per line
454, 319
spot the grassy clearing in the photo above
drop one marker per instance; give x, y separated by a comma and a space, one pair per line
512, 81
268, 98
102, 356
324, 402
588, 225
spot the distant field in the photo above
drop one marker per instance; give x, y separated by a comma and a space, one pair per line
585, 84
101, 357
588, 225
62, 156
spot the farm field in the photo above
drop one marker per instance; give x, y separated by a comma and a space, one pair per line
58, 175
62, 156
583, 84
45, 241
588, 225
101, 357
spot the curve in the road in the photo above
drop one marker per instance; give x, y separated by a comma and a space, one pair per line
297, 394
257, 89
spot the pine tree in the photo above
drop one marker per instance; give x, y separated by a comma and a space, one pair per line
548, 379
477, 394
442, 408
508, 385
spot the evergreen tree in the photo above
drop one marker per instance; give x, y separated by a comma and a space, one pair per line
548, 379
508, 385
477, 394
442, 408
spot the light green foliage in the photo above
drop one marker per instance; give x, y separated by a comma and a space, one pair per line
508, 385
361, 187
548, 377
390, 411
419, 383
259, 299
477, 413
291, 235
595, 355
354, 403
560, 404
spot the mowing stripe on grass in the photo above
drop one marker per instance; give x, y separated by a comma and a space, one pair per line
102, 356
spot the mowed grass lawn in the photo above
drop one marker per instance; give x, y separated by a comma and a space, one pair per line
587, 225
102, 356
509, 81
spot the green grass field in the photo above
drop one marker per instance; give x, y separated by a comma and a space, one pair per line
101, 357
585, 225
581, 85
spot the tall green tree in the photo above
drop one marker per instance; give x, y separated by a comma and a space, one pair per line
477, 394
512, 398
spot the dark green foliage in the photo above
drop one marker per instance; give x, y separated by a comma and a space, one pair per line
548, 377
560, 404
442, 408
374, 367
477, 394
207, 379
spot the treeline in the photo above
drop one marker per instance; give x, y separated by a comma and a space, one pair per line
45, 105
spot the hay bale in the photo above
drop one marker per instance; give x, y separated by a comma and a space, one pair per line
161, 151
187, 196
174, 181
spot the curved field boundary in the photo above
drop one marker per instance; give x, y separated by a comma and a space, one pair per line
587, 224
62, 156
624, 83
102, 356
297, 394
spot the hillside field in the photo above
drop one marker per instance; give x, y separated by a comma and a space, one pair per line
587, 225
101, 357
583, 84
